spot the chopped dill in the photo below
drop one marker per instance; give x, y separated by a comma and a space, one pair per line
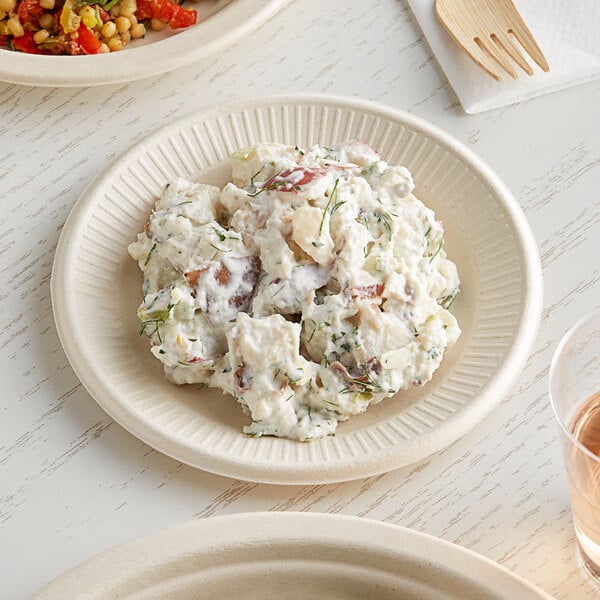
383, 218
157, 317
331, 196
336, 206
277, 291
150, 254
222, 237
255, 176
438, 250
271, 186
448, 300
220, 249
433, 353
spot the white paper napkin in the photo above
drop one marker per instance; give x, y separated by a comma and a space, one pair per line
568, 32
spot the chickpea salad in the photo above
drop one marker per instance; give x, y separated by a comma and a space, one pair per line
75, 27
311, 286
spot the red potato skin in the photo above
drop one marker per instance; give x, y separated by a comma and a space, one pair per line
367, 292
284, 182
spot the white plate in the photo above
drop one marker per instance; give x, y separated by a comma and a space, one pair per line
293, 556
220, 24
96, 289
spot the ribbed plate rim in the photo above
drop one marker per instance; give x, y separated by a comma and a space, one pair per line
336, 469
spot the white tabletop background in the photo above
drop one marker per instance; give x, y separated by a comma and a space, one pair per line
73, 482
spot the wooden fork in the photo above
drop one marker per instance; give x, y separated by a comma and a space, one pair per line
489, 31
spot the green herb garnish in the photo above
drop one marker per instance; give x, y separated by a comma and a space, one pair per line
383, 218
222, 237
447, 301
336, 206
331, 196
220, 249
438, 250
271, 186
155, 318
255, 176
150, 254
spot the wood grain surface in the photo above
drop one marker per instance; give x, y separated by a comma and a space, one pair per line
73, 482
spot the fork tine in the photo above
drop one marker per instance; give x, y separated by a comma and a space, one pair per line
506, 43
464, 39
492, 34
526, 39
496, 54
482, 59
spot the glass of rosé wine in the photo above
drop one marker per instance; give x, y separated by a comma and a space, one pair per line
575, 398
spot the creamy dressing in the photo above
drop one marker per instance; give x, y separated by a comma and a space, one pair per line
312, 285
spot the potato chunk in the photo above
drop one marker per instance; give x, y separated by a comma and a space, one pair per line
310, 226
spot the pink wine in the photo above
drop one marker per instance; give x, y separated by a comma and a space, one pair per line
583, 472
586, 425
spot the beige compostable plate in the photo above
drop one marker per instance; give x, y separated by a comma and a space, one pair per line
291, 556
96, 288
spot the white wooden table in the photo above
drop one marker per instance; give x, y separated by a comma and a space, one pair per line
73, 482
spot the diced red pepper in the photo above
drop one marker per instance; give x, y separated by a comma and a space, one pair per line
149, 9
25, 43
29, 12
166, 11
145, 9
183, 17
89, 43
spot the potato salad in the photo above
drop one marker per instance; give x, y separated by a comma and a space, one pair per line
311, 286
